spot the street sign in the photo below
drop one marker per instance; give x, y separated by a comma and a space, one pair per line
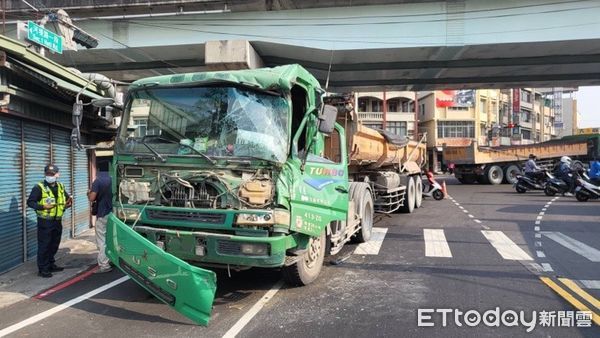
44, 37
558, 125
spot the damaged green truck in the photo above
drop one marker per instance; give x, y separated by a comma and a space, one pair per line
248, 168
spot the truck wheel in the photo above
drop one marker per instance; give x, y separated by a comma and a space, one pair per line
494, 174
308, 267
363, 202
418, 191
366, 218
409, 197
510, 174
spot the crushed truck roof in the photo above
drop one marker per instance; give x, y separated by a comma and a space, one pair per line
281, 77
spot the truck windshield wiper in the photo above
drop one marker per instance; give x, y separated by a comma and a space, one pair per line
199, 153
142, 141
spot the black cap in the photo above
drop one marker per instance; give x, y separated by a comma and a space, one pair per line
51, 169
531, 156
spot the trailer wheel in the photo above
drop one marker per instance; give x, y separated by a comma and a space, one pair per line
494, 174
510, 174
418, 191
409, 197
308, 267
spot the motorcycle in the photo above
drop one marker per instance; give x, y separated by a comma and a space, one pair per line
434, 189
525, 183
586, 190
556, 186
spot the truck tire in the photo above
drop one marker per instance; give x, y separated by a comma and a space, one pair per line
366, 213
409, 197
418, 191
510, 174
494, 174
308, 267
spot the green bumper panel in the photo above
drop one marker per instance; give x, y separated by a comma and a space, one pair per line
188, 289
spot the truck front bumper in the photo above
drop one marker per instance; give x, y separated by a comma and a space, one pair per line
222, 249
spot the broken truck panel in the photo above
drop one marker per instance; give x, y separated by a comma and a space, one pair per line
188, 289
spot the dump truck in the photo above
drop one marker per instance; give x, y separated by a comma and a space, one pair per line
495, 165
246, 168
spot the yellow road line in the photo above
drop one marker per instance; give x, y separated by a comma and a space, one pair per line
571, 285
569, 298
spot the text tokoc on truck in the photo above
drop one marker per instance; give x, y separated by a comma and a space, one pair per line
242, 169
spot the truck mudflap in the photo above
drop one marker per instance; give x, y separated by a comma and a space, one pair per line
188, 289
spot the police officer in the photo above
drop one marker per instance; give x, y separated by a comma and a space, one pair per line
49, 199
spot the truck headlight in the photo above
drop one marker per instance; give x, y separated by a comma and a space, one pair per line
269, 218
127, 213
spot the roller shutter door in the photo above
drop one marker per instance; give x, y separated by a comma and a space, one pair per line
37, 155
81, 178
11, 195
61, 157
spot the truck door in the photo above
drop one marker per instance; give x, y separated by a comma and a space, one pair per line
320, 192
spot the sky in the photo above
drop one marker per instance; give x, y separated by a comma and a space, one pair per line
588, 105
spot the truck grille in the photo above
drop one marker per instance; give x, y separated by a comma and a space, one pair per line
138, 277
225, 247
190, 216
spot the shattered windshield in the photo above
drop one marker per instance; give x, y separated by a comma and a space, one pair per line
209, 121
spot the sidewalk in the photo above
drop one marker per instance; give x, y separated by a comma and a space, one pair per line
76, 255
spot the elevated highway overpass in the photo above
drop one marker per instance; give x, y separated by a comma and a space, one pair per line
405, 45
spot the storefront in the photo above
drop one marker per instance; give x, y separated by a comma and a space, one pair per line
35, 129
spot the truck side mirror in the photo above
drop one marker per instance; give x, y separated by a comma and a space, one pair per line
327, 119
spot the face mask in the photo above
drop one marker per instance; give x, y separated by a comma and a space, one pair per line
50, 179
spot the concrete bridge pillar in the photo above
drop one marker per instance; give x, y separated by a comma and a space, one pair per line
231, 55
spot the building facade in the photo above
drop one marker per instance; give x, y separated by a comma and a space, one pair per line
36, 99
393, 111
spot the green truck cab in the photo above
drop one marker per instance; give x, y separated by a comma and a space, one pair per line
229, 169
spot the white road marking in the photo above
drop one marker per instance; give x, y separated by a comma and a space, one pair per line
544, 209
461, 207
247, 317
471, 216
466, 211
373, 246
538, 244
576, 246
547, 267
540, 254
538, 222
542, 213
547, 206
58, 308
590, 284
536, 228
538, 235
477, 221
539, 217
435, 243
536, 267
505, 246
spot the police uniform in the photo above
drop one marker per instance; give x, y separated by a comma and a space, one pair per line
49, 221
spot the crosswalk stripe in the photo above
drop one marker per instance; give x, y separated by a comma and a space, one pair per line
435, 243
505, 246
373, 246
590, 284
574, 245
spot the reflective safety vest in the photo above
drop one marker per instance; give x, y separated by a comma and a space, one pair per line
49, 198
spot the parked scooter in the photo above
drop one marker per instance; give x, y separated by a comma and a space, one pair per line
525, 183
586, 190
433, 189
